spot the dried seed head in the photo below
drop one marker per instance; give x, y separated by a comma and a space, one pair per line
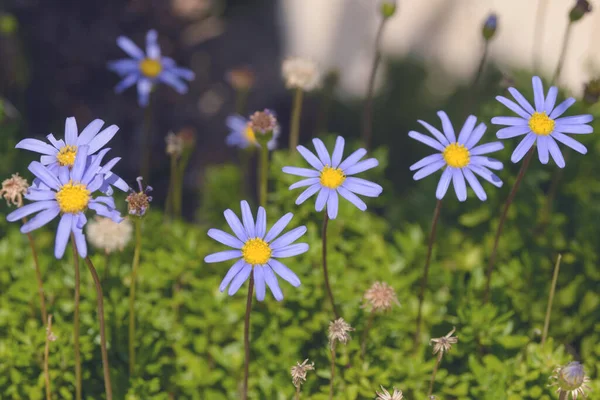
299, 372
108, 235
444, 344
264, 125
241, 78
139, 202
174, 145
385, 395
380, 297
300, 73
13, 189
571, 380
338, 331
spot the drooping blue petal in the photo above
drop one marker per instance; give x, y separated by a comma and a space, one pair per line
71, 131
308, 173
338, 152
239, 279
447, 126
271, 281
352, 198
290, 251
80, 241
41, 219
514, 107
523, 147
222, 256
225, 238
555, 153
460, 186
127, 82
435, 132
278, 227
352, 159
259, 282
467, 129
570, 142
62, 235
107, 200
288, 238
486, 174
444, 183
144, 87
235, 225
322, 199
322, 151
248, 219
332, 205
426, 140
233, 271
310, 158
475, 185
284, 272
37, 146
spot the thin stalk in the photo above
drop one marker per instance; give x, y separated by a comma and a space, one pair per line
46, 356
326, 102
434, 373
367, 128
436, 217
481, 66
297, 392
332, 371
562, 395
295, 123
106, 266
38, 277
551, 299
76, 322
241, 97
169, 205
105, 366
363, 346
146, 141
134, 272
507, 204
247, 338
178, 189
563, 53
325, 273
264, 175
540, 22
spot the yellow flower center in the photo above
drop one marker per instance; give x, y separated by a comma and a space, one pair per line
456, 155
256, 252
73, 198
332, 178
249, 133
541, 124
150, 68
66, 156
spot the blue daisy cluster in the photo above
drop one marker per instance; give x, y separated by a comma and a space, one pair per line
71, 178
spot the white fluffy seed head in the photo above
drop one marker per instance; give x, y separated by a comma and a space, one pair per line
107, 235
301, 73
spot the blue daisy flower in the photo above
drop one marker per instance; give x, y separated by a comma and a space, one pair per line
542, 125
332, 176
242, 136
258, 251
146, 69
461, 157
67, 193
63, 153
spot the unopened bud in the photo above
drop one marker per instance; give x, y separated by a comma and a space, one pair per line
490, 26
591, 92
388, 8
580, 8
264, 125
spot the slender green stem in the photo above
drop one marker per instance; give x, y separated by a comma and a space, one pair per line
540, 22
264, 175
326, 102
563, 53
297, 392
181, 165
325, 273
332, 371
247, 338
507, 204
38, 277
434, 373
363, 346
436, 216
100, 301
551, 299
169, 205
134, 272
106, 266
76, 322
295, 124
241, 97
367, 128
46, 355
481, 66
147, 141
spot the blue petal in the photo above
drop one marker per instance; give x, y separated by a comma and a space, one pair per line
332, 205
362, 189
288, 238
542, 146
426, 140
41, 219
304, 182
172, 80
130, 48
338, 152
56, 143
261, 223
37, 146
562, 107
152, 47
575, 129
62, 235
523, 147
184, 73
514, 107
239, 279
80, 242
510, 121
361, 166
476, 135
47, 177
322, 199
37, 195
271, 280
80, 162
459, 184
447, 126
124, 66
512, 131
248, 219
570, 142
550, 100
538, 93
308, 193
235, 225
222, 256
322, 151
278, 227
290, 251
486, 162
474, 183
435, 132
284, 272
310, 158
556, 153
64, 175
105, 211
225, 238
352, 198
444, 183
486, 174
102, 138
577, 119
352, 159
127, 82
71, 131
144, 87
429, 169
308, 173
486, 148
259, 282
233, 271
467, 129
521, 100
88, 133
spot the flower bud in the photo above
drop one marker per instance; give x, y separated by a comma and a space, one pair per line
264, 125
490, 26
580, 8
388, 8
591, 92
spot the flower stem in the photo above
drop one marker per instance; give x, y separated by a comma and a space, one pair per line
507, 204
297, 392
562, 395
540, 22
170, 203
434, 373
46, 354
325, 273
264, 175
436, 216
241, 96
332, 371
38, 276
106, 367
134, 271
247, 338
481, 66
146, 141
106, 266
367, 128
363, 346
563, 53
76, 322
295, 124
326, 103
551, 299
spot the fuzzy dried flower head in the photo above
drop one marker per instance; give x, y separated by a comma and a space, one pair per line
385, 395
108, 235
13, 189
299, 372
139, 202
571, 380
444, 344
300, 73
380, 297
187, 136
264, 125
241, 78
174, 145
338, 331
